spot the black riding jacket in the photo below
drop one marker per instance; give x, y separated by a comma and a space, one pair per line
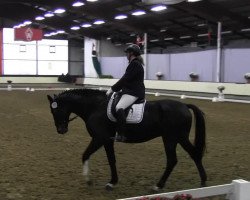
132, 82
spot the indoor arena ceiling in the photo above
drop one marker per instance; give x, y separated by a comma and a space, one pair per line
182, 24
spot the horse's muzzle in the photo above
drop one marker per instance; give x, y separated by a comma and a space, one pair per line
62, 130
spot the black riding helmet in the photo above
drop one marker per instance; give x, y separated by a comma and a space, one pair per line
133, 48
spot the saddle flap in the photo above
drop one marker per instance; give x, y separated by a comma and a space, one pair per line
134, 112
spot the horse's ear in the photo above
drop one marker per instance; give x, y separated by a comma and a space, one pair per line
50, 98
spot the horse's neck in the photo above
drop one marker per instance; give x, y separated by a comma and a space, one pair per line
86, 106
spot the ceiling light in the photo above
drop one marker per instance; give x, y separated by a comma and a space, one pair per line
76, 21
98, 22
75, 28
108, 38
138, 13
245, 30
86, 25
163, 30
200, 25
60, 31
154, 40
158, 8
53, 33
203, 35
20, 25
47, 35
59, 11
169, 38
226, 32
193, 0
27, 22
48, 14
41, 8
92, 0
185, 37
39, 18
121, 17
168, 2
77, 4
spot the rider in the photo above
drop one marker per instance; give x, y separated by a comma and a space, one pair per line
131, 85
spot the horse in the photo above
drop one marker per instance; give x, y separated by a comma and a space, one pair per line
169, 119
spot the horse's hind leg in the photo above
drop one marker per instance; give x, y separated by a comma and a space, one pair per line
187, 145
170, 150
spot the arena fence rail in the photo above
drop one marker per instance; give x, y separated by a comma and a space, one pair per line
218, 98
237, 190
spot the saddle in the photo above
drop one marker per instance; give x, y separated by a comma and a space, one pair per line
134, 112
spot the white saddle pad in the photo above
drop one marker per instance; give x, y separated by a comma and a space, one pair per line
135, 114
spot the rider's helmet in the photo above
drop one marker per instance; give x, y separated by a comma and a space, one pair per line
133, 48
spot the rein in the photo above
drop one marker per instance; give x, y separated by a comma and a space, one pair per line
73, 118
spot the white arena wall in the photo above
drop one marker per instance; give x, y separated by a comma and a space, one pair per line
200, 87
28, 80
178, 86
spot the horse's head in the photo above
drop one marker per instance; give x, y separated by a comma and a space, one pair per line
60, 114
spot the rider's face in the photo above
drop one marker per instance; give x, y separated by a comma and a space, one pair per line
128, 55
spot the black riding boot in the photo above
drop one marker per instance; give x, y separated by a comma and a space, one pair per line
121, 121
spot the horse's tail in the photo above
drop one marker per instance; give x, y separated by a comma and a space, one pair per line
200, 130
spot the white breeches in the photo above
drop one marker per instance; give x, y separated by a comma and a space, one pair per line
125, 101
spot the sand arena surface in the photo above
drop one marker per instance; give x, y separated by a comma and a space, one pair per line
37, 163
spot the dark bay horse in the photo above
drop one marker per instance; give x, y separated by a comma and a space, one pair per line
168, 119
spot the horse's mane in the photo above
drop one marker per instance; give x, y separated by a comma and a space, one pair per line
81, 92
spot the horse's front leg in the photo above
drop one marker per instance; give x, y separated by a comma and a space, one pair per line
94, 145
109, 148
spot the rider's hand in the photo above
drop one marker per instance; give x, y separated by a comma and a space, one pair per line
109, 92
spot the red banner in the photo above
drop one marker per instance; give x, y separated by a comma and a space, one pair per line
1, 51
28, 34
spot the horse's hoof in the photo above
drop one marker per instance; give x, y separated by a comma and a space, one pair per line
89, 183
203, 184
109, 187
155, 189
